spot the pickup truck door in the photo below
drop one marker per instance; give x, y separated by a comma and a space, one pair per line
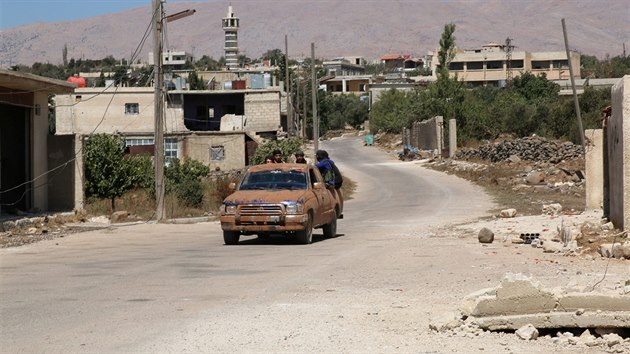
322, 195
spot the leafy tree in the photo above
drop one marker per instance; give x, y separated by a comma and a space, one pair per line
64, 54
392, 111
196, 83
446, 53
208, 63
533, 87
107, 173
184, 179
338, 110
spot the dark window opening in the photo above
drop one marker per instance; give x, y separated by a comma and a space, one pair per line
474, 65
541, 64
495, 64
456, 66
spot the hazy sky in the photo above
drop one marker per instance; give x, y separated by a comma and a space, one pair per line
14, 13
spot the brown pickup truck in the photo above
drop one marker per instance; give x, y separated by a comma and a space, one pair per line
280, 198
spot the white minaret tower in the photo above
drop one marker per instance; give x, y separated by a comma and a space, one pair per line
230, 26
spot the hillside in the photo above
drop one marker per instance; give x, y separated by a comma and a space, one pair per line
338, 27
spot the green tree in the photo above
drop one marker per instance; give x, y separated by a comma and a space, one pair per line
196, 83
446, 53
107, 172
392, 111
206, 63
64, 54
533, 87
338, 110
184, 179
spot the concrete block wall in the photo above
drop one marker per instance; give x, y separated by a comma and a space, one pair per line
618, 137
427, 135
197, 146
262, 111
594, 161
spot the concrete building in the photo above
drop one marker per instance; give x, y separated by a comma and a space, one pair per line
352, 84
218, 128
488, 66
173, 59
34, 170
344, 66
231, 25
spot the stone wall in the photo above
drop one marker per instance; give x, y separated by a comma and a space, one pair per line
618, 137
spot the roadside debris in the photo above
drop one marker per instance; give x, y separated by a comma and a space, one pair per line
566, 316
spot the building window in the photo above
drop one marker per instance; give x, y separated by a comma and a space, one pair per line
561, 64
517, 64
132, 108
456, 66
495, 64
138, 141
474, 65
171, 150
217, 153
540, 64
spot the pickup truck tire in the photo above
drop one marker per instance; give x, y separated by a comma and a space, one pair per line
306, 236
231, 237
330, 230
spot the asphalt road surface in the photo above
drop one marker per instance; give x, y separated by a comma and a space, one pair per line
177, 288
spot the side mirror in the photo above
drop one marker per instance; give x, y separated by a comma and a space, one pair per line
318, 185
232, 186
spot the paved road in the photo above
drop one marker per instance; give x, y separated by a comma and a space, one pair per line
175, 288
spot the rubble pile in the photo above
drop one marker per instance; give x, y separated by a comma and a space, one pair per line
563, 316
528, 148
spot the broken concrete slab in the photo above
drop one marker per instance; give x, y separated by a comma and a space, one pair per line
519, 301
446, 321
594, 302
508, 213
617, 319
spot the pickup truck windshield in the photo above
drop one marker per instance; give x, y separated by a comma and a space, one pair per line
275, 179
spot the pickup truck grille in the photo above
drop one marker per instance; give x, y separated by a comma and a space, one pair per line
251, 210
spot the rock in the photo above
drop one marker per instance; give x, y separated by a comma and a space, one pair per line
99, 219
446, 321
485, 235
552, 247
552, 209
574, 340
119, 216
32, 230
621, 250
514, 159
608, 226
508, 213
612, 339
535, 177
590, 228
527, 332
606, 250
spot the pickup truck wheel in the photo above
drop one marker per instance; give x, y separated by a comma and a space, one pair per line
330, 230
231, 237
306, 236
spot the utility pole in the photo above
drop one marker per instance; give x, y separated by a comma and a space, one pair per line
314, 97
158, 140
575, 97
297, 103
287, 88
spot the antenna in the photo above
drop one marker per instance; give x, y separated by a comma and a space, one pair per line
508, 61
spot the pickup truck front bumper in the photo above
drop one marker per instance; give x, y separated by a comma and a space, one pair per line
264, 223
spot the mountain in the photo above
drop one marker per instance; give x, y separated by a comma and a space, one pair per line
368, 28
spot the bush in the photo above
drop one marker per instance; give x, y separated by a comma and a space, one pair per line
183, 179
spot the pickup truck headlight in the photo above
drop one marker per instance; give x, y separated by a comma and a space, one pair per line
294, 208
229, 209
